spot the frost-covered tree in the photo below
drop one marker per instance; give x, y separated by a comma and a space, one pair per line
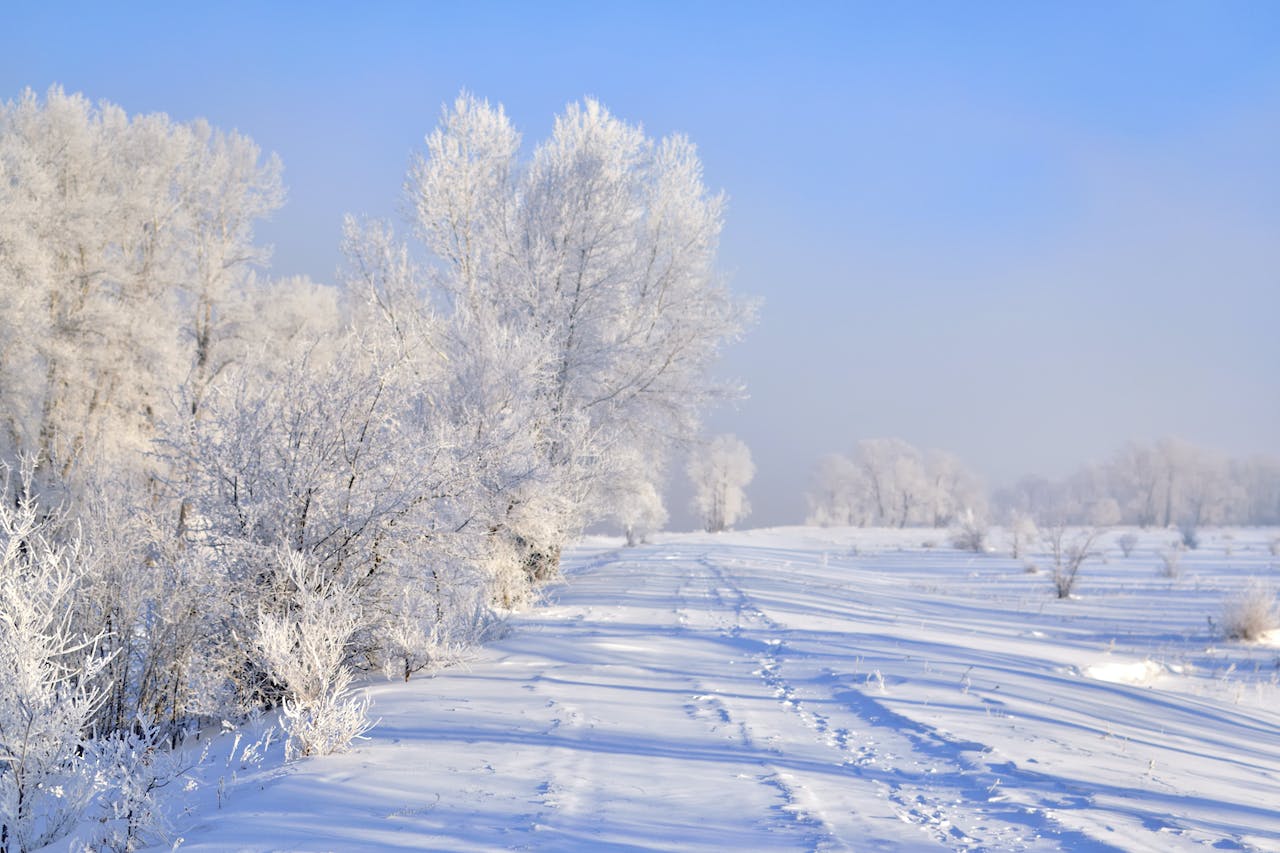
888, 482
720, 473
954, 495
122, 242
634, 498
638, 507
836, 498
1257, 490
895, 474
200, 419
1164, 483
593, 261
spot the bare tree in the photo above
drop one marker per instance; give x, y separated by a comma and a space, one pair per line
1069, 550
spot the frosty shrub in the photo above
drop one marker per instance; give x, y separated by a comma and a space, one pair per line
133, 768
1127, 542
48, 690
1250, 613
1171, 563
1069, 553
971, 535
432, 625
305, 649
1190, 536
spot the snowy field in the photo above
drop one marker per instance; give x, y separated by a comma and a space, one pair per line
806, 689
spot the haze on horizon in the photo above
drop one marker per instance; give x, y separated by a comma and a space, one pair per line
1024, 234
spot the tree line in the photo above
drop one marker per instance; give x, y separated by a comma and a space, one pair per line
890, 483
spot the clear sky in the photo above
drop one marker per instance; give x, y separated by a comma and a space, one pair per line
1023, 232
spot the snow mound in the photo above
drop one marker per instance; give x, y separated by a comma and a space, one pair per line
1270, 638
1125, 672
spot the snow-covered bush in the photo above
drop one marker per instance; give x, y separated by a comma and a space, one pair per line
1171, 562
134, 767
1127, 542
433, 625
49, 690
1250, 613
304, 648
971, 534
172, 659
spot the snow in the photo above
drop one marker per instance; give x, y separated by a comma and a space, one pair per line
1125, 672
806, 689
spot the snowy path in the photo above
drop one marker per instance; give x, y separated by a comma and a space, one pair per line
764, 692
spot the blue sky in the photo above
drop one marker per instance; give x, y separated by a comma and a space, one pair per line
1023, 232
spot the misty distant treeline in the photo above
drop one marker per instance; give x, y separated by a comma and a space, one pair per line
226, 490
888, 482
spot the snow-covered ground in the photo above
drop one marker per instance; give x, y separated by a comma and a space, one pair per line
804, 689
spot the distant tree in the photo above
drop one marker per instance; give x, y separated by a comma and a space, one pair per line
837, 497
1165, 483
1257, 496
895, 477
1022, 533
955, 494
720, 474
888, 482
635, 498
1032, 496
1139, 481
